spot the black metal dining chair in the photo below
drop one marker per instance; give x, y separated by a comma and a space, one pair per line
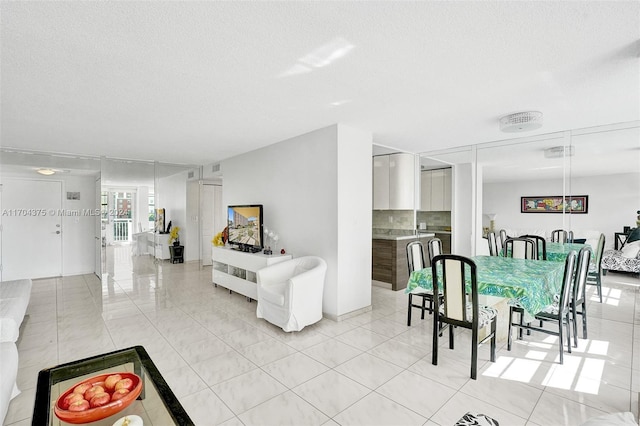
541, 245
579, 300
595, 269
557, 312
415, 261
559, 236
450, 274
520, 248
493, 244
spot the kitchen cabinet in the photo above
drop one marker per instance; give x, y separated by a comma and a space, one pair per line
394, 182
435, 190
389, 259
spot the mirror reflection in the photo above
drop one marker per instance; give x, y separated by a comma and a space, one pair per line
596, 170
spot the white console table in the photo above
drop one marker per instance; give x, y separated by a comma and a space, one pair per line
161, 251
236, 270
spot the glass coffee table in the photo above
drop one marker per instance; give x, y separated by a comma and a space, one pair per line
156, 405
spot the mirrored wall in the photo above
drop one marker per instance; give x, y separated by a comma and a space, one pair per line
516, 184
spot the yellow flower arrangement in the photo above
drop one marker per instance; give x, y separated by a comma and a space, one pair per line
217, 240
174, 234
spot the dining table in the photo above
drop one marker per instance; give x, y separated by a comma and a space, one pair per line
557, 252
530, 284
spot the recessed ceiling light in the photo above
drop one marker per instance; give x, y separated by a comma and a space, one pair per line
46, 172
521, 121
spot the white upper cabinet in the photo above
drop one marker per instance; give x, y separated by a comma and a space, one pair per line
394, 182
381, 182
435, 190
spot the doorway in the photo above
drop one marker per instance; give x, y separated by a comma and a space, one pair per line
31, 229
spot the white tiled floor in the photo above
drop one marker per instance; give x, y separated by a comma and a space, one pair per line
227, 367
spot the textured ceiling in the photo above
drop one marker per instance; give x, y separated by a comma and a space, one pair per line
197, 82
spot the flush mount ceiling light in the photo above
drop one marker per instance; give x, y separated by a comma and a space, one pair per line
46, 172
521, 121
558, 151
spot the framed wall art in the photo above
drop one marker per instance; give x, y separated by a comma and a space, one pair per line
574, 204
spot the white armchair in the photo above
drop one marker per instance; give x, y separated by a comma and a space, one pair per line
290, 292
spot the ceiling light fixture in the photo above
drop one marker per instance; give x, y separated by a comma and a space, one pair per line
521, 121
46, 172
559, 151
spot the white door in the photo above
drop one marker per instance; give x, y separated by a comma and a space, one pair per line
31, 229
98, 233
212, 220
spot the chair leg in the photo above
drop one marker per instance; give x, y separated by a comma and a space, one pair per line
509, 339
451, 336
474, 353
434, 350
568, 332
409, 309
584, 319
424, 306
599, 281
561, 341
575, 325
493, 340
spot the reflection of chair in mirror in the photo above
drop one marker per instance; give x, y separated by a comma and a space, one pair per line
434, 246
415, 261
503, 238
558, 312
493, 244
290, 292
570, 238
520, 248
541, 245
579, 300
450, 274
559, 236
595, 269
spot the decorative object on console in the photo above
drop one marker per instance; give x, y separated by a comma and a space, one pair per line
174, 235
271, 240
159, 224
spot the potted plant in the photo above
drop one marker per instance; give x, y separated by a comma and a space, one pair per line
174, 236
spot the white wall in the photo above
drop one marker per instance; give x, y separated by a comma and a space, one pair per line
171, 194
316, 193
613, 202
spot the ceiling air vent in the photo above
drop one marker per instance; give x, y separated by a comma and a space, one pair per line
190, 174
215, 168
521, 121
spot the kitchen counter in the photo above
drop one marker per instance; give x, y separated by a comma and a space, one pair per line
402, 237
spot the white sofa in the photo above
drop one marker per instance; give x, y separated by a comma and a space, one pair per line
14, 299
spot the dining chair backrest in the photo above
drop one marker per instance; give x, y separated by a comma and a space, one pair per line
434, 248
493, 244
597, 257
570, 237
559, 236
520, 248
567, 283
503, 238
450, 274
415, 256
541, 245
580, 276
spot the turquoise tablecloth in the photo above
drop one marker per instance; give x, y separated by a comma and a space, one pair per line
530, 283
557, 252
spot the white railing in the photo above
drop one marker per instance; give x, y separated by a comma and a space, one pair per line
121, 229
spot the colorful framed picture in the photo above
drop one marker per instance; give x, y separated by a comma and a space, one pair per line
574, 204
